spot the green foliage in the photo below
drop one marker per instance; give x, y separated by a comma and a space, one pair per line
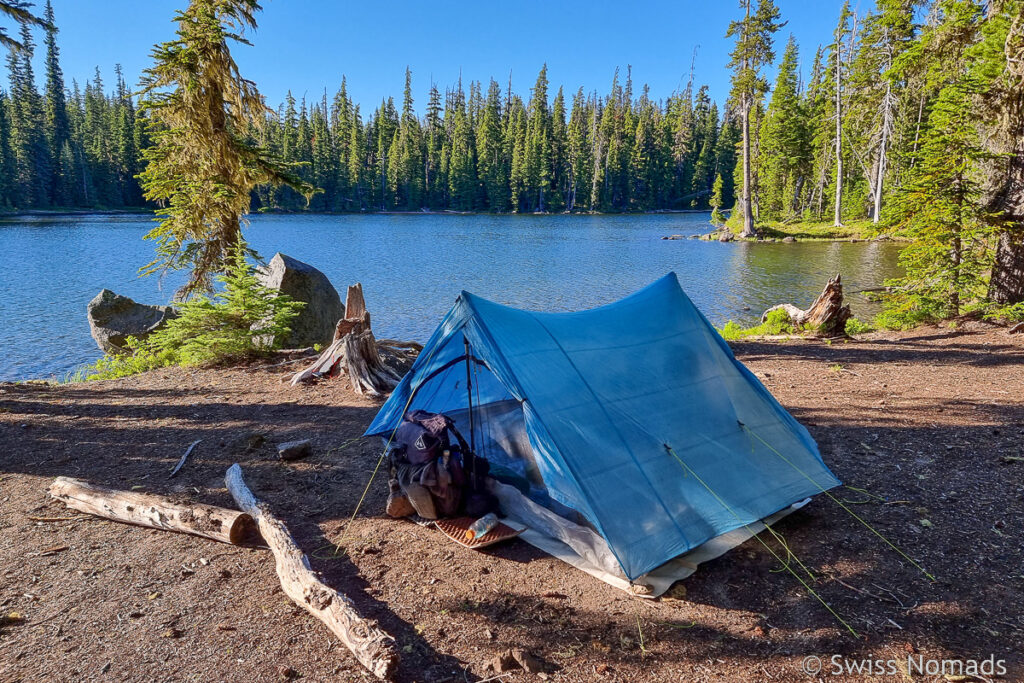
777, 322
908, 311
855, 326
142, 356
784, 160
19, 11
200, 168
475, 149
1011, 313
717, 218
240, 322
941, 208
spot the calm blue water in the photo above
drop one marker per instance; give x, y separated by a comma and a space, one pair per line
412, 268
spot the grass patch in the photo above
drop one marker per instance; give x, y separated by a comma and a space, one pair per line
856, 326
809, 230
777, 322
819, 230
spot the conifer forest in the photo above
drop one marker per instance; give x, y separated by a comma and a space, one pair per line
907, 111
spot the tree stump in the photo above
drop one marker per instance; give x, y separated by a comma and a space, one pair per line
355, 352
826, 317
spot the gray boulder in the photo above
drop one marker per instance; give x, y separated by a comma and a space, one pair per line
302, 282
113, 318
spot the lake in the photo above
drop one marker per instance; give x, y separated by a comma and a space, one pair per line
413, 266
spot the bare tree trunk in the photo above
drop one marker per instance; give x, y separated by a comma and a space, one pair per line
355, 352
1007, 283
838, 218
746, 205
374, 648
883, 149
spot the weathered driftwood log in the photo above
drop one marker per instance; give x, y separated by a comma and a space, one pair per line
355, 352
827, 316
374, 648
157, 512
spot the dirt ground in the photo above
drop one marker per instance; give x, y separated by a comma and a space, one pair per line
928, 426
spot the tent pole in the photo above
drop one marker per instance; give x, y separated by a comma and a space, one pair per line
469, 394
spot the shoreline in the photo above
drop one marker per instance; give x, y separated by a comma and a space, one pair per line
31, 213
853, 231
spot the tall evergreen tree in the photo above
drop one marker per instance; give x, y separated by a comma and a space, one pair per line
58, 128
784, 144
200, 167
753, 50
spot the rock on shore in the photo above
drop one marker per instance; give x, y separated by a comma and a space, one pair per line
113, 318
302, 282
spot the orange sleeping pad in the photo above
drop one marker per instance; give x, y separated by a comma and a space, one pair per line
456, 528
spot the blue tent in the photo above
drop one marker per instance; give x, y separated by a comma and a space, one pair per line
634, 418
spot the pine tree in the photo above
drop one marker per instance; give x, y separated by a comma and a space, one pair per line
717, 201
433, 182
706, 136
579, 152
200, 167
490, 151
725, 157
519, 177
8, 177
683, 130
28, 141
356, 163
941, 205
58, 128
998, 61
941, 211
408, 163
752, 52
877, 95
839, 66
461, 164
784, 146
559, 170
18, 10
538, 145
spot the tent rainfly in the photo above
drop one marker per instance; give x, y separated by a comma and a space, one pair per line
626, 435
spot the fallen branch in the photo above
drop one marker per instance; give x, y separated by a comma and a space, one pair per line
184, 457
157, 512
52, 550
374, 648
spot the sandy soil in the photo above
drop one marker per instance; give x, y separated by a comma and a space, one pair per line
928, 424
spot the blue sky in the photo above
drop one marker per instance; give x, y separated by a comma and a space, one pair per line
306, 45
